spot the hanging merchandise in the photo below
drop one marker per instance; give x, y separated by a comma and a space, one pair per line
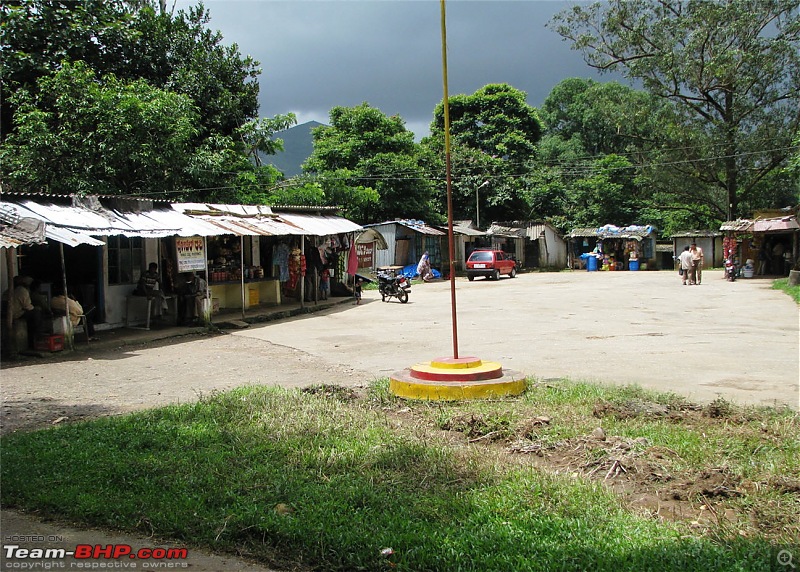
280, 257
296, 269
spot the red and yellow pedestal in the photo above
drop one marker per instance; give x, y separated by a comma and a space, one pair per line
451, 379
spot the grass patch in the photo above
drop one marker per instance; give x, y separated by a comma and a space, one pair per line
324, 479
783, 284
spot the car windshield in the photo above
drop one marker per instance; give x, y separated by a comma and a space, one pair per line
481, 257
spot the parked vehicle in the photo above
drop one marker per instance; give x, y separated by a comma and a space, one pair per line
393, 284
491, 264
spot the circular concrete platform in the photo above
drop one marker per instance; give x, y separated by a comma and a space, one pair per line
456, 379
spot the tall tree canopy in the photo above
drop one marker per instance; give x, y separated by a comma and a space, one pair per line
364, 149
732, 68
494, 133
124, 97
132, 40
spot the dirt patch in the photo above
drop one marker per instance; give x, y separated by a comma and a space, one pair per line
649, 478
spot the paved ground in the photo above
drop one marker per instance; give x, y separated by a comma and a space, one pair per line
737, 340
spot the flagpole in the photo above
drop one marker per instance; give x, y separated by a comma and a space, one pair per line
451, 249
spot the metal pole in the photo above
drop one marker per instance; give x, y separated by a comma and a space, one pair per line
477, 208
11, 264
451, 249
70, 330
241, 269
207, 317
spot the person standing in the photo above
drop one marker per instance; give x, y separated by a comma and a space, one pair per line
357, 291
325, 283
685, 260
696, 273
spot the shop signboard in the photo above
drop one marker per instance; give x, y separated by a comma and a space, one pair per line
366, 254
191, 253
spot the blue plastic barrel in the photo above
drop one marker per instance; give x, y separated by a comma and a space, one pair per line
591, 264
633, 265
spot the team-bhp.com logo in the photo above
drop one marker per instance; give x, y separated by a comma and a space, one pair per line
96, 552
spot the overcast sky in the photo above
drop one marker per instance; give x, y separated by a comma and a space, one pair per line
316, 55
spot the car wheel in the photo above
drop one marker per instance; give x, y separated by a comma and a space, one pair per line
470, 277
402, 295
496, 275
513, 272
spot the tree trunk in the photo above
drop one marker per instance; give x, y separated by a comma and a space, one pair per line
731, 173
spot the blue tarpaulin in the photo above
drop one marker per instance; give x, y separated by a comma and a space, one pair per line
410, 272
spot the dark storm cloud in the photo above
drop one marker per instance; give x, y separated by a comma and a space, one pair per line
320, 54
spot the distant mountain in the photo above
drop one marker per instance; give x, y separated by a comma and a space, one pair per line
297, 147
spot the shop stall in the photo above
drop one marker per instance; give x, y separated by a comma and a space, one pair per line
613, 248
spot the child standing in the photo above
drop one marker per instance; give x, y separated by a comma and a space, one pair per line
325, 283
357, 291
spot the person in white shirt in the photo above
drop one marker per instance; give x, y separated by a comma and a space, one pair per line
685, 259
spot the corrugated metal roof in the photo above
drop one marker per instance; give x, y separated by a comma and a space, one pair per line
464, 227
68, 223
262, 220
20, 232
738, 225
77, 223
696, 234
229, 219
320, 225
416, 225
508, 231
51, 230
611, 231
776, 224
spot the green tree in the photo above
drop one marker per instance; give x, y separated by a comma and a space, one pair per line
731, 69
367, 151
78, 134
591, 130
605, 194
493, 139
131, 40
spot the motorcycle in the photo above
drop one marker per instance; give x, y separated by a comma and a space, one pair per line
391, 285
730, 270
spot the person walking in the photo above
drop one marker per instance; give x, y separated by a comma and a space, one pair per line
696, 273
685, 260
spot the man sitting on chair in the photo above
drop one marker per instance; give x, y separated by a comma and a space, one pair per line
150, 286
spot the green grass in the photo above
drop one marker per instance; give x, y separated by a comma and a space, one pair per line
317, 480
783, 284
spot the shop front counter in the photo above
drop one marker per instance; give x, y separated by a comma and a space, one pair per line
228, 295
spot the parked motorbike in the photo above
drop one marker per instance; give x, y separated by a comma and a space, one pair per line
730, 270
390, 284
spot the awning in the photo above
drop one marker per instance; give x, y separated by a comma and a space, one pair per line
254, 220
319, 225
86, 218
43, 217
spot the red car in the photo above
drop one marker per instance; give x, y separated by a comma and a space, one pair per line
491, 264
